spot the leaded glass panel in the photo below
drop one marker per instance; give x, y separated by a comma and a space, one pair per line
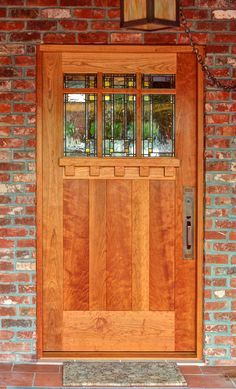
158, 125
119, 81
158, 81
119, 125
80, 81
80, 124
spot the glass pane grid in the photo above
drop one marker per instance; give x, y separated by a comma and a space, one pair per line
80, 129
119, 125
158, 81
158, 112
80, 81
116, 81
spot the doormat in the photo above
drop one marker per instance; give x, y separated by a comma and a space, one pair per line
122, 374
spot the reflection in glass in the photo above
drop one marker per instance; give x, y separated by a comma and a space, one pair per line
158, 125
158, 81
80, 124
80, 80
119, 125
119, 81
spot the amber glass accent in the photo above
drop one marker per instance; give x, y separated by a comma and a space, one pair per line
119, 81
80, 80
158, 125
119, 125
80, 124
158, 81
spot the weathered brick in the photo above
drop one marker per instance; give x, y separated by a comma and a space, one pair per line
129, 38
53, 13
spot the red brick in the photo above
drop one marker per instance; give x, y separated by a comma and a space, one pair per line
114, 14
19, 107
9, 232
24, 13
225, 224
224, 247
128, 38
21, 277
25, 37
6, 335
215, 306
93, 37
88, 13
5, 60
25, 61
217, 189
12, 166
5, 243
78, 25
5, 289
217, 166
39, 3
6, 311
223, 38
72, 3
2, 12
41, 25
215, 235
219, 143
26, 243
59, 38
4, 177
159, 38
227, 340
105, 25
215, 258
9, 72
11, 26
107, 3
13, 2
217, 118
223, 200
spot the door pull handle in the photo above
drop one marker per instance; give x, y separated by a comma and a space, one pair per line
188, 223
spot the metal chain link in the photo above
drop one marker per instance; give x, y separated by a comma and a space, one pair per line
204, 66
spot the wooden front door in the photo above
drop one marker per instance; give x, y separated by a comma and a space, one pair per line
119, 219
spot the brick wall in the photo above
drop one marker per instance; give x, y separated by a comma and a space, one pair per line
23, 25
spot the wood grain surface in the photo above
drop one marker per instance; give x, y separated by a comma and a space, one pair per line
76, 244
162, 245
119, 245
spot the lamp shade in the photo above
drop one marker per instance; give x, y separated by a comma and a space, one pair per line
149, 14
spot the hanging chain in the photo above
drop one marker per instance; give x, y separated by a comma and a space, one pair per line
204, 66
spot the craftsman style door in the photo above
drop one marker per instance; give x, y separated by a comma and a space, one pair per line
119, 202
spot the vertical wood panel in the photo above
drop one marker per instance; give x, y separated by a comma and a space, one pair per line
140, 245
76, 245
162, 240
97, 245
119, 250
186, 150
52, 202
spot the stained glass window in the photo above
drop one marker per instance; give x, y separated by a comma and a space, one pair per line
80, 124
158, 81
119, 81
80, 81
106, 120
158, 125
119, 125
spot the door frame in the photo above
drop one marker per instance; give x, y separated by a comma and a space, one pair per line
200, 190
